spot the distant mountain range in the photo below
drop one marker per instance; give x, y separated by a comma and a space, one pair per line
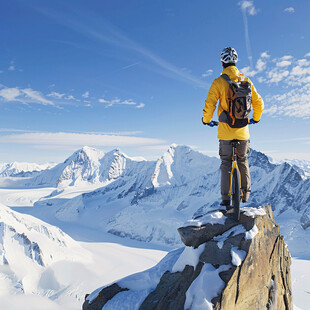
19, 169
303, 165
148, 200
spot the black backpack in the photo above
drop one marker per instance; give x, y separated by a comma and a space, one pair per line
239, 103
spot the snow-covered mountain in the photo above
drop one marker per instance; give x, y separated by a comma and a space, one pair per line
88, 166
28, 247
21, 169
148, 200
303, 165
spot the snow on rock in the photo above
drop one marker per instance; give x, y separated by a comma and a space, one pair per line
237, 256
251, 233
189, 256
215, 217
249, 211
205, 287
234, 231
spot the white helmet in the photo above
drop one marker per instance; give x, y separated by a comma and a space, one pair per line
229, 55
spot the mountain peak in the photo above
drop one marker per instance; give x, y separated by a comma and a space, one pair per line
92, 152
259, 159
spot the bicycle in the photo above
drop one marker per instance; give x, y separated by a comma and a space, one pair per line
235, 191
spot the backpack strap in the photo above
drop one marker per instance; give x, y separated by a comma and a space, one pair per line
226, 78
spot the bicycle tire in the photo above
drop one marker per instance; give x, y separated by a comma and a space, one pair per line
236, 194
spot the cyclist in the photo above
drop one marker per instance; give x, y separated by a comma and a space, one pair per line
218, 91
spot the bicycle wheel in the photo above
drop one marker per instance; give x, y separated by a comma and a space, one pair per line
236, 194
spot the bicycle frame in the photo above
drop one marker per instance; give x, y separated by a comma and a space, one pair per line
234, 166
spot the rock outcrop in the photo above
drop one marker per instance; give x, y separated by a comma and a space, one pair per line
226, 265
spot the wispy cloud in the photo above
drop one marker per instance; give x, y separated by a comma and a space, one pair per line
36, 97
55, 94
207, 73
116, 133
69, 97
117, 101
248, 8
261, 65
64, 140
29, 96
10, 94
279, 156
129, 66
289, 10
25, 96
12, 66
15, 130
86, 94
94, 27
284, 63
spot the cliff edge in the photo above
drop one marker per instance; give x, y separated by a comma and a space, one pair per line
225, 265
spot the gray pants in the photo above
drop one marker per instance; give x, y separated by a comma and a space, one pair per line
225, 152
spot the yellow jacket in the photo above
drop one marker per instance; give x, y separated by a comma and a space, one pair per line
218, 91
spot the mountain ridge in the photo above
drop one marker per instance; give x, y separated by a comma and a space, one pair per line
146, 200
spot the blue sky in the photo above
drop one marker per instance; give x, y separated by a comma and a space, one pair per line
135, 74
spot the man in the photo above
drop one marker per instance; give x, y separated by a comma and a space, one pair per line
219, 91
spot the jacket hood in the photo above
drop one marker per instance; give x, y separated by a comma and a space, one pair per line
232, 72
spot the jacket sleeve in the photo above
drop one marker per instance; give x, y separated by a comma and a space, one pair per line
210, 103
257, 103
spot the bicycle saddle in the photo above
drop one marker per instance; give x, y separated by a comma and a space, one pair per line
235, 142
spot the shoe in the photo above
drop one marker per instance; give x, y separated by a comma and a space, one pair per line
226, 203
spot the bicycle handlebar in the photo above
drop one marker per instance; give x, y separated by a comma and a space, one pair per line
217, 123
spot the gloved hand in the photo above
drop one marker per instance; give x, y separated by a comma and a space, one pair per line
252, 122
211, 124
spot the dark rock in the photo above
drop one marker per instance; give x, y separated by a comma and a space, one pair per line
195, 235
221, 256
226, 274
170, 292
103, 297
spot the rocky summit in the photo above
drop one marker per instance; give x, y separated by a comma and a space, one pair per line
225, 265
